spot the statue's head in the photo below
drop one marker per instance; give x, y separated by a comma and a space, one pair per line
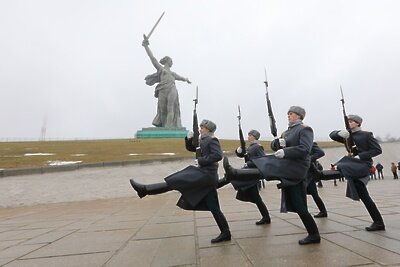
166, 61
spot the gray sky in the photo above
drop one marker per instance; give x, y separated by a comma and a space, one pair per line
80, 65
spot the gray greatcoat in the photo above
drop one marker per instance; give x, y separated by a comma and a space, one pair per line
292, 169
353, 168
194, 183
254, 150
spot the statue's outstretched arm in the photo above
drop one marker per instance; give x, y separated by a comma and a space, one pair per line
180, 78
154, 61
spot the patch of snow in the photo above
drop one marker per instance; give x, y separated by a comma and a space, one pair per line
39, 154
59, 162
153, 154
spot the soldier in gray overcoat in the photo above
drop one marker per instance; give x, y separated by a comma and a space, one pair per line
289, 164
248, 190
357, 169
197, 184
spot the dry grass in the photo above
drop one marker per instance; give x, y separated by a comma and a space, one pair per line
13, 154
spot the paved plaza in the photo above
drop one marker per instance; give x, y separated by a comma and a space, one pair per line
104, 223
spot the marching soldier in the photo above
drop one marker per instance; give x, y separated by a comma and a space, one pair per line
357, 169
248, 190
289, 164
196, 184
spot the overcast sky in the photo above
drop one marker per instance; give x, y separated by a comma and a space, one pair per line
78, 67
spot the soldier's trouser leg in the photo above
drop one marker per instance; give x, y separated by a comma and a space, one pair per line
368, 202
213, 205
296, 198
312, 189
240, 174
150, 189
255, 195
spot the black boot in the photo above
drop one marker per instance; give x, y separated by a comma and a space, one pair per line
139, 188
240, 174
376, 226
376, 216
321, 214
158, 188
222, 182
312, 229
223, 226
223, 236
328, 175
310, 239
266, 219
151, 189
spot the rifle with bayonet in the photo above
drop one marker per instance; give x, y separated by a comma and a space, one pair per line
241, 138
272, 122
348, 142
196, 132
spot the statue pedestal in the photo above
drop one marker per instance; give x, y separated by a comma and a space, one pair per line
161, 132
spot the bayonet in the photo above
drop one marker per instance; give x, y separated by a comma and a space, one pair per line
239, 116
195, 126
196, 100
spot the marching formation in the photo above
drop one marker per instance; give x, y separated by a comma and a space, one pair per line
293, 162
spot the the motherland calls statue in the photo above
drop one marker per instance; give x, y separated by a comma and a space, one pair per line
168, 110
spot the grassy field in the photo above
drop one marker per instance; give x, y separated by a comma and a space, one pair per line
43, 153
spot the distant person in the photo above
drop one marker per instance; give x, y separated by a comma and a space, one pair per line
333, 168
372, 174
393, 167
379, 168
168, 110
196, 184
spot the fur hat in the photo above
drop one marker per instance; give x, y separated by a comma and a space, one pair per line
255, 133
209, 125
355, 118
298, 110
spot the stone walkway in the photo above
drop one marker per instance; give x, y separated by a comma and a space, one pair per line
154, 232
92, 217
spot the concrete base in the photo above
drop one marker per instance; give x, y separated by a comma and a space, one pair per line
161, 132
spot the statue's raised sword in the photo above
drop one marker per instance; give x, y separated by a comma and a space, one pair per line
155, 25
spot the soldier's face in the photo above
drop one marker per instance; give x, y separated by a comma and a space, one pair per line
250, 137
203, 130
292, 117
353, 124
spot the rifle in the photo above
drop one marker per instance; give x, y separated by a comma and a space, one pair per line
196, 133
348, 142
272, 122
241, 137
